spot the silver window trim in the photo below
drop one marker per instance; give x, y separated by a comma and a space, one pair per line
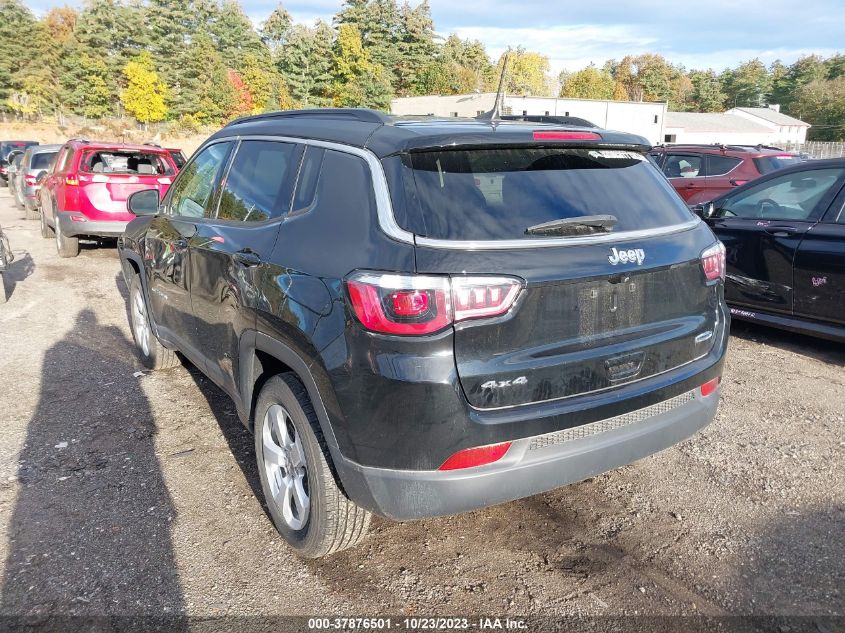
391, 228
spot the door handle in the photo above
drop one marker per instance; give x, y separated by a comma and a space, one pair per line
247, 257
782, 231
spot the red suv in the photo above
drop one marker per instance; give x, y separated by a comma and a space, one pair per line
701, 173
85, 193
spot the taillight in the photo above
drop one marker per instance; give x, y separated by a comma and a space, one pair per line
30, 180
71, 180
559, 135
477, 456
713, 262
710, 386
423, 304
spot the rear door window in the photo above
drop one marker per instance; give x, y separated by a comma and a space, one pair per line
496, 194
721, 165
258, 186
191, 194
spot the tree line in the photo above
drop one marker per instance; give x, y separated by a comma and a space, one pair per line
203, 62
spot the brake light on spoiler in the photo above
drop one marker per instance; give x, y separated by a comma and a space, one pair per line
563, 135
423, 304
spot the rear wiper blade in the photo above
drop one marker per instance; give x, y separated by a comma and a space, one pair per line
584, 225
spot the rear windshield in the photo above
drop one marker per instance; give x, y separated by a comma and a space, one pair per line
42, 160
126, 162
768, 164
496, 194
7, 147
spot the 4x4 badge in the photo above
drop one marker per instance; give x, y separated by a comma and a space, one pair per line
631, 255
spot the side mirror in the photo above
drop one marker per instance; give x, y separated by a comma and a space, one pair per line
704, 211
40, 177
144, 202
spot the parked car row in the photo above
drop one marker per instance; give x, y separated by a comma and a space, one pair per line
701, 173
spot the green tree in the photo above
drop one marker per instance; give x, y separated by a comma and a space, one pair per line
145, 94
821, 102
207, 94
415, 49
357, 80
747, 85
527, 73
86, 84
305, 64
275, 29
235, 36
112, 31
16, 26
589, 83
707, 95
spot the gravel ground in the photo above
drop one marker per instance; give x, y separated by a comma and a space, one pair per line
138, 495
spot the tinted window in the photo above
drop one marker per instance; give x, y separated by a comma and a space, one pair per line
768, 164
333, 180
190, 195
66, 160
656, 158
258, 184
683, 166
790, 197
498, 193
309, 175
178, 158
42, 160
721, 165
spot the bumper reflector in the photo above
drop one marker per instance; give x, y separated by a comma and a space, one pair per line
710, 386
477, 456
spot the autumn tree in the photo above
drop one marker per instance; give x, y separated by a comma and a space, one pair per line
145, 94
589, 83
357, 80
746, 85
527, 73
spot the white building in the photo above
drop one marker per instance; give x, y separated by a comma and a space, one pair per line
643, 118
737, 126
785, 129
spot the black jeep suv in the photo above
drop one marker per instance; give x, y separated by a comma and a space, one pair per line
422, 317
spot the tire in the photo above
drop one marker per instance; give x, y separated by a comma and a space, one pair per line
2, 288
18, 204
29, 212
65, 246
330, 522
152, 353
46, 230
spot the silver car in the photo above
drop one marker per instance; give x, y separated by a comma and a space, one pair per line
36, 159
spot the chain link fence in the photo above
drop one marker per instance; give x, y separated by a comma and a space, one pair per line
817, 149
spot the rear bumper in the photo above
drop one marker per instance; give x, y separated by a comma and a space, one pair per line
94, 228
532, 465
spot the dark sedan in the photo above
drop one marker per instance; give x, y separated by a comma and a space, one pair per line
785, 239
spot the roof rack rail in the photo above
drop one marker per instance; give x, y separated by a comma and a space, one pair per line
81, 139
365, 115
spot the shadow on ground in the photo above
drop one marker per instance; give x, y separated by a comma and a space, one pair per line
829, 352
17, 271
90, 529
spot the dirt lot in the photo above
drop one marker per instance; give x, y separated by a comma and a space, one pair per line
138, 495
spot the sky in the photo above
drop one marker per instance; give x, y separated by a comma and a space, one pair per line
703, 34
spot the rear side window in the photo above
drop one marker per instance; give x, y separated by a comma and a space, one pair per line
721, 165
42, 160
178, 159
125, 162
496, 194
768, 164
258, 186
333, 180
